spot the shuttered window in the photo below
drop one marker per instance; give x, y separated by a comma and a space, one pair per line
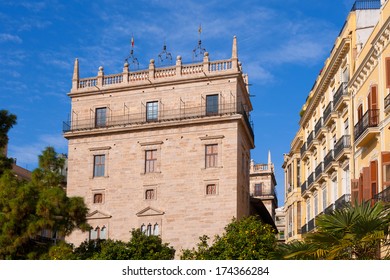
386, 169
354, 190
374, 177
388, 72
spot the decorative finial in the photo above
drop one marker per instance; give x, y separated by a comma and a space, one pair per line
165, 57
198, 52
76, 69
133, 60
234, 48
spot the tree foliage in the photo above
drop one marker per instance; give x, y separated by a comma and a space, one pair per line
353, 232
140, 247
245, 239
27, 208
7, 121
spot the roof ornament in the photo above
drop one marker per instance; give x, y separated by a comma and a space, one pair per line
198, 52
133, 60
164, 57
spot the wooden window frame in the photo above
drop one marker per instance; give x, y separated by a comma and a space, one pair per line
99, 165
211, 155
151, 161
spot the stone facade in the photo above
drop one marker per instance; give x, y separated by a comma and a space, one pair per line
165, 149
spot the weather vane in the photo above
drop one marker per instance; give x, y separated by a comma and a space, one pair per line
198, 52
131, 57
165, 56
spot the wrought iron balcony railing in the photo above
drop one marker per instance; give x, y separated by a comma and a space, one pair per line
311, 225
304, 229
310, 138
342, 91
343, 143
328, 210
310, 179
369, 119
343, 201
318, 126
304, 187
122, 120
327, 111
303, 148
387, 101
329, 158
319, 169
383, 195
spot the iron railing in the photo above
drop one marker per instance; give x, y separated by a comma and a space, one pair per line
369, 119
310, 138
366, 5
387, 101
162, 116
303, 148
318, 126
383, 195
328, 159
304, 229
343, 201
328, 210
343, 143
303, 187
310, 179
311, 225
327, 111
342, 91
319, 169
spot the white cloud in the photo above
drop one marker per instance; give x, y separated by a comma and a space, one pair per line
4, 37
27, 155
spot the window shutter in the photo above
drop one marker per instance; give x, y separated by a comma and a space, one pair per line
387, 72
385, 168
360, 192
374, 97
299, 213
374, 177
366, 184
354, 190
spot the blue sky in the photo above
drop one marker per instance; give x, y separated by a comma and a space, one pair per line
282, 46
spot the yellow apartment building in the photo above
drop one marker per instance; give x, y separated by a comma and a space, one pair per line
370, 87
166, 149
320, 166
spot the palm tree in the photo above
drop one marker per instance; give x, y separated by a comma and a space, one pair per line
353, 232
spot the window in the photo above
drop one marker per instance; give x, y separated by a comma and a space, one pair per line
150, 161
324, 198
346, 127
100, 117
149, 194
98, 165
98, 198
98, 233
386, 169
387, 72
258, 189
211, 189
152, 111
150, 230
211, 104
211, 155
315, 204
308, 216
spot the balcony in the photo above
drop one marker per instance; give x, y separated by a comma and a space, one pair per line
310, 179
367, 127
122, 120
342, 148
383, 196
303, 187
343, 201
329, 161
329, 114
304, 151
341, 97
304, 229
320, 174
387, 103
328, 210
311, 225
319, 129
310, 141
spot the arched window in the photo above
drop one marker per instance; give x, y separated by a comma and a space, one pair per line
156, 230
103, 233
143, 228
149, 230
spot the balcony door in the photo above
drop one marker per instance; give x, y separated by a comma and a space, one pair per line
373, 106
